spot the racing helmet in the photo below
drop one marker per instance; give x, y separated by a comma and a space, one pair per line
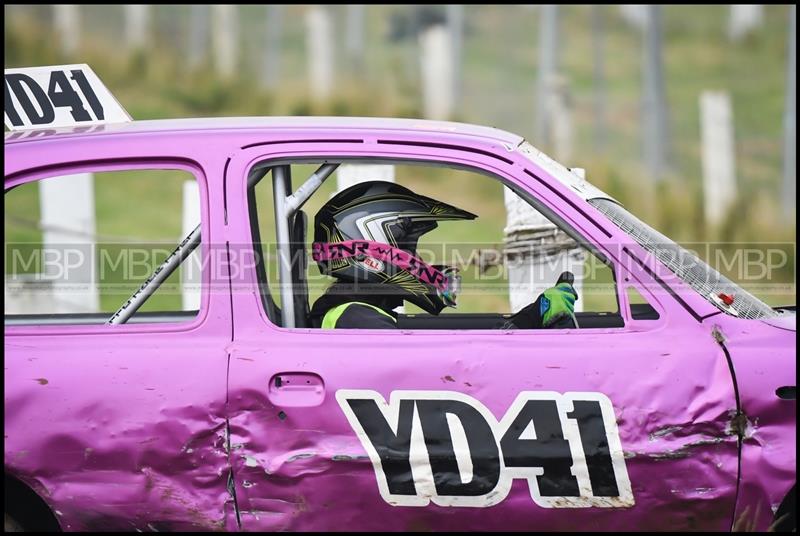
367, 235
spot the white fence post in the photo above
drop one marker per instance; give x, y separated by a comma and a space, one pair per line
547, 73
225, 29
553, 126
68, 224
191, 268
536, 253
744, 19
68, 26
635, 15
455, 23
354, 36
349, 174
790, 123
600, 93
561, 118
719, 176
270, 73
137, 18
198, 35
437, 72
319, 49
654, 99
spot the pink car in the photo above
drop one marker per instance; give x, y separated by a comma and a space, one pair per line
677, 413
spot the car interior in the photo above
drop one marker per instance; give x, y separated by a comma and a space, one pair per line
298, 252
298, 227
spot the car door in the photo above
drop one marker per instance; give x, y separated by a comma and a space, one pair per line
117, 427
446, 429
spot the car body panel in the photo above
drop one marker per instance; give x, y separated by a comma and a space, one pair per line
293, 462
107, 444
764, 359
302, 468
118, 435
122, 427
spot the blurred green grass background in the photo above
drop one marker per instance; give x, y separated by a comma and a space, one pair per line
499, 88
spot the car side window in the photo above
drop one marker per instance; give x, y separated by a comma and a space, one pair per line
79, 245
506, 256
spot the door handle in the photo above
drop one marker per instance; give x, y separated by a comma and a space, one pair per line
296, 389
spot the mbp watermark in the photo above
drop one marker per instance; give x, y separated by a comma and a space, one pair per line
119, 269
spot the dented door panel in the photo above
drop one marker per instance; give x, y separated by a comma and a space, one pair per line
764, 361
304, 468
439, 430
133, 436
122, 427
178, 428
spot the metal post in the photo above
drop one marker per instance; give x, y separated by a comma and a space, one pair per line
635, 15
319, 50
548, 68
198, 35
413, 52
560, 112
191, 269
285, 207
354, 44
281, 186
178, 255
136, 22
224, 38
68, 27
790, 123
296, 201
350, 174
270, 74
744, 19
598, 46
67, 210
455, 22
719, 172
654, 102
437, 72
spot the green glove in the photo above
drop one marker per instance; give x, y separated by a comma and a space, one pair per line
557, 303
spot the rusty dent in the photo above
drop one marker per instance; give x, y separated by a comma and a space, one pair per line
661, 432
683, 450
717, 334
740, 425
601, 502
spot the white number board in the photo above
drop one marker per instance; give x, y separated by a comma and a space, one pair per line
58, 96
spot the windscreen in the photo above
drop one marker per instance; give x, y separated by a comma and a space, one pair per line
712, 285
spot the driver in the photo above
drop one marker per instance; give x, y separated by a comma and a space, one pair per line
366, 237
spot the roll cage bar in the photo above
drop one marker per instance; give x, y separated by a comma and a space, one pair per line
286, 206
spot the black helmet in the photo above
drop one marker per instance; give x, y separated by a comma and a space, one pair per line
368, 233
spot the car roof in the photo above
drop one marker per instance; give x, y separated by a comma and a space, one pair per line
277, 123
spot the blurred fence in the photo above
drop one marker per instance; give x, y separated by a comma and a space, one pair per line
603, 83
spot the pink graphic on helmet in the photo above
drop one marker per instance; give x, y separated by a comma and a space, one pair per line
366, 248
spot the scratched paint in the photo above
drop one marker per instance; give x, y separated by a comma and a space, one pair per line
701, 438
100, 449
128, 431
